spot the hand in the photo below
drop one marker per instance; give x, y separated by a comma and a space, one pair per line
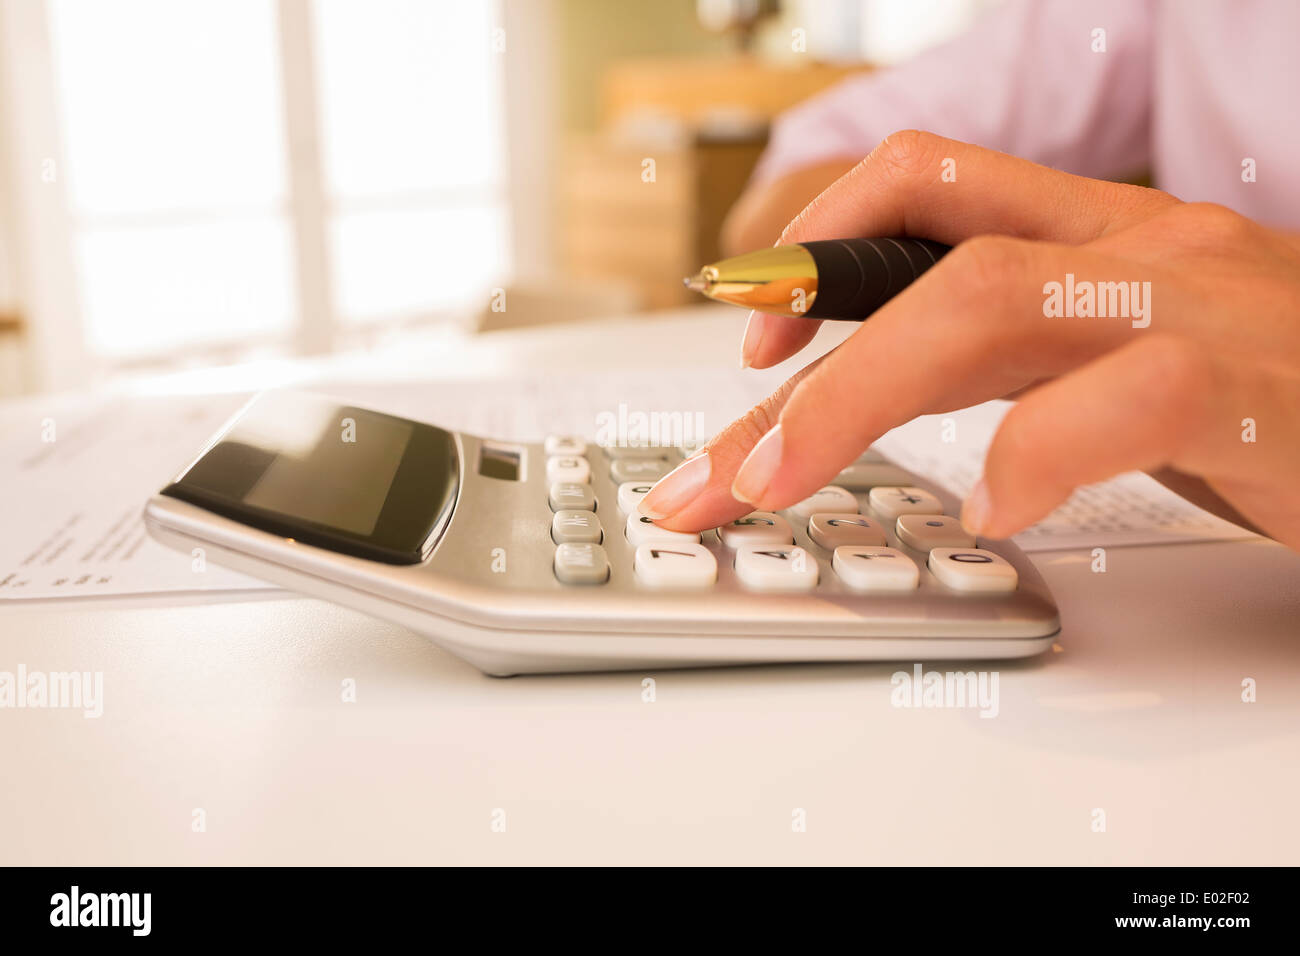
1203, 390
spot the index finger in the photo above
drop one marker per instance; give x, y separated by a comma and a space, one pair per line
919, 184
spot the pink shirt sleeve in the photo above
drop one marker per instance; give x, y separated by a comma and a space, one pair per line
1025, 80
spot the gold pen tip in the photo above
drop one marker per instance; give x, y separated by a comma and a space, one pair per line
703, 281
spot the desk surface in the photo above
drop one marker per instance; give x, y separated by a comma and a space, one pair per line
236, 709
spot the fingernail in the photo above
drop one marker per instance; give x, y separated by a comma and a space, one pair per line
757, 471
975, 512
678, 488
753, 336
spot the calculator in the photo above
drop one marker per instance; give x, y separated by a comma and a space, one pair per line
534, 558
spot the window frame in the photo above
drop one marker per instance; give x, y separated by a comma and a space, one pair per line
41, 230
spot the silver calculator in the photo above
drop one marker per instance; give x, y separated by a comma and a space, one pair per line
533, 558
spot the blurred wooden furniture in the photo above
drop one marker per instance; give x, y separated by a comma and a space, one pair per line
12, 330
643, 200
546, 302
691, 90
649, 233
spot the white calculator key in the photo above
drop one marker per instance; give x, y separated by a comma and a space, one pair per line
573, 468
871, 456
630, 494
641, 530
767, 567
875, 569
972, 569
569, 445
889, 502
865, 475
926, 532
675, 565
835, 530
830, 498
757, 527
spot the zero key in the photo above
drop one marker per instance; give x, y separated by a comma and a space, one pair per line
973, 569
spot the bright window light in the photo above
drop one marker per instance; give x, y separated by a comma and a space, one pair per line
402, 262
410, 95
175, 171
157, 289
178, 167
413, 151
169, 105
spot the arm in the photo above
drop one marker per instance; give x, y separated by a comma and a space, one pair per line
762, 212
1025, 80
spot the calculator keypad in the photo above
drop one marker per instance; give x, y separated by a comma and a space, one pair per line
927, 532
761, 547
568, 468
876, 569
618, 452
891, 501
641, 530
572, 525
776, 567
630, 494
973, 569
581, 563
639, 469
757, 527
675, 565
570, 445
837, 529
572, 495
865, 475
830, 498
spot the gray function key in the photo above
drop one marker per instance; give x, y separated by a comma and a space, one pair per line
575, 526
572, 496
581, 563
638, 469
565, 445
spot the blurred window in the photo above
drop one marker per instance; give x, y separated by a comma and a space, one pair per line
202, 173
413, 151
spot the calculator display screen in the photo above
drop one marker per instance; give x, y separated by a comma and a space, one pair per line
331, 475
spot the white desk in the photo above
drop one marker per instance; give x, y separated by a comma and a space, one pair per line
235, 708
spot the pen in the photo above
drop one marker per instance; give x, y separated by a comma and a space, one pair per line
827, 279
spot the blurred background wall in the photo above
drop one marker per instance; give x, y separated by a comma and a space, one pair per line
192, 182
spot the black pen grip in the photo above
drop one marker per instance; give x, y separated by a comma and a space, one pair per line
857, 276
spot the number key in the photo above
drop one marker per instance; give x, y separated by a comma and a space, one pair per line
776, 568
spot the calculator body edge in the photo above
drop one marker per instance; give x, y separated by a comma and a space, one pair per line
487, 591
